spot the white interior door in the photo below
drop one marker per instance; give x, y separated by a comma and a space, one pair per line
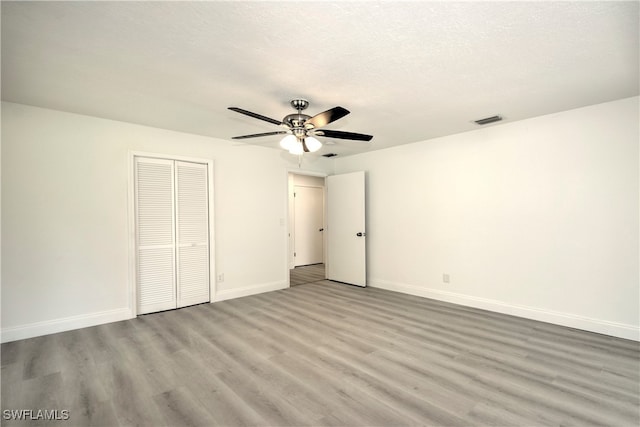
308, 225
346, 254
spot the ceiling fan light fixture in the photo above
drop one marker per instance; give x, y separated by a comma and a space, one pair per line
288, 142
312, 144
296, 148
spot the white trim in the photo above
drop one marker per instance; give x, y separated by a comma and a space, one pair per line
65, 324
212, 241
606, 327
132, 226
306, 172
169, 157
131, 233
250, 290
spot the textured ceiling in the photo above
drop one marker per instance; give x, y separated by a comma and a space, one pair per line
408, 71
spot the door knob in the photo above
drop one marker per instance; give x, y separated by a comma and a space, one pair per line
322, 229
361, 234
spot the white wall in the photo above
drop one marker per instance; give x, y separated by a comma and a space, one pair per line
537, 218
65, 254
308, 181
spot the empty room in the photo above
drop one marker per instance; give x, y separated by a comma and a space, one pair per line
317, 213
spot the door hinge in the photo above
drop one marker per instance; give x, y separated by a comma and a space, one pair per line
294, 254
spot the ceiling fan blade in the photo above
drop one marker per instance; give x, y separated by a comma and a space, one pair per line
343, 135
323, 119
255, 115
255, 135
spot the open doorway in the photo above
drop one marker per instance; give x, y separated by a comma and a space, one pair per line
306, 228
306, 274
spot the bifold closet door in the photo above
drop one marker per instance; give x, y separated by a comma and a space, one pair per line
172, 233
192, 233
155, 229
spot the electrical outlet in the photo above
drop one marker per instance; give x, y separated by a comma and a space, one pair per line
446, 278
221, 277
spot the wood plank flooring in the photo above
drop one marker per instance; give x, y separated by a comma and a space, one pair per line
306, 274
325, 354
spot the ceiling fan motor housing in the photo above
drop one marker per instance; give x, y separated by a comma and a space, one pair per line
295, 120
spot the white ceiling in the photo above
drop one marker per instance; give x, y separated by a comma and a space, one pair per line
408, 71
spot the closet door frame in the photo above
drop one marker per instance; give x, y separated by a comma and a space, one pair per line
133, 295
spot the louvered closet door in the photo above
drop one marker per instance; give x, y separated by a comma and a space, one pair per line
155, 224
192, 233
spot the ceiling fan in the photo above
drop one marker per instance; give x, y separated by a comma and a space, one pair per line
302, 129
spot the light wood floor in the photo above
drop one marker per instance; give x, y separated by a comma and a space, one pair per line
306, 274
326, 354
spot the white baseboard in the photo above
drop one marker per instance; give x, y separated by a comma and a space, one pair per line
615, 329
606, 327
37, 329
46, 327
249, 290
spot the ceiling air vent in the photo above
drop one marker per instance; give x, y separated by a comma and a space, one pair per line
488, 120
329, 155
